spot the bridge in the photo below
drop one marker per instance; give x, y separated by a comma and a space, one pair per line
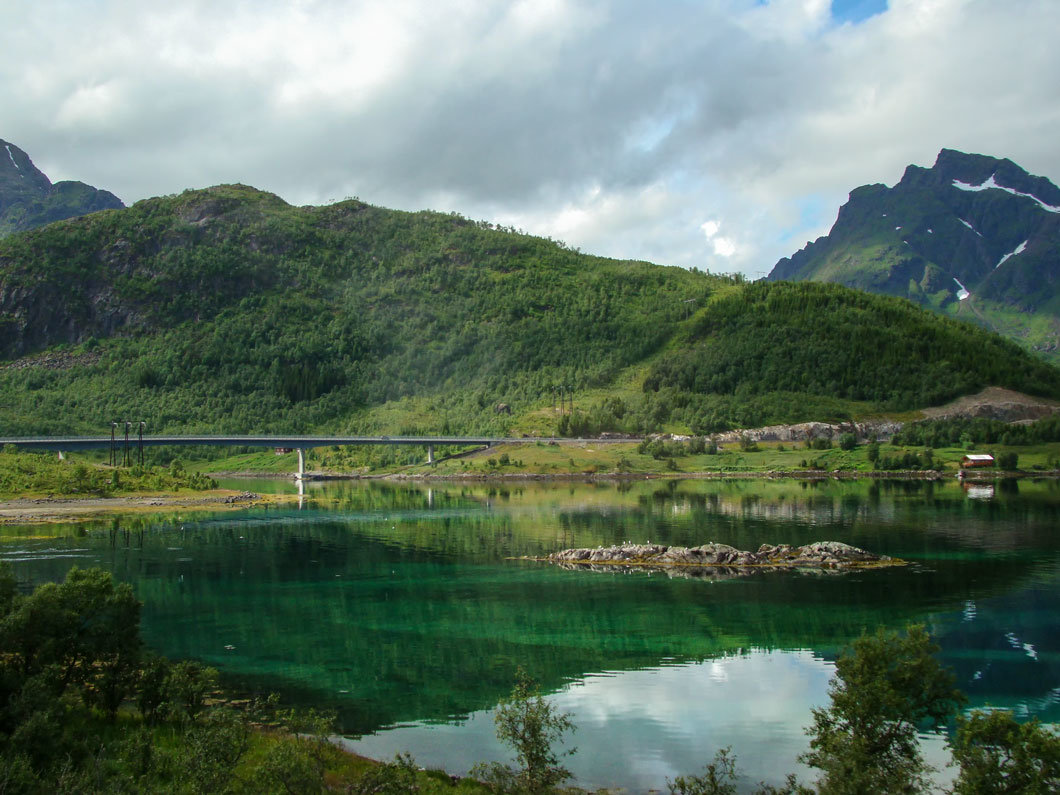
298, 443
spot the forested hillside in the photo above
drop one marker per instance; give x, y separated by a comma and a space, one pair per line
782, 346
227, 310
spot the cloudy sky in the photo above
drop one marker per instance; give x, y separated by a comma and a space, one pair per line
717, 134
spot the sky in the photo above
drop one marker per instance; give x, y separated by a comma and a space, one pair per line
711, 134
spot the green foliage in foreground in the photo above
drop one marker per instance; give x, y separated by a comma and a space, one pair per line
32, 473
998, 755
72, 667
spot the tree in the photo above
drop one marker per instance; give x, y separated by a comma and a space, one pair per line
84, 631
848, 441
531, 726
719, 778
997, 754
1008, 461
886, 687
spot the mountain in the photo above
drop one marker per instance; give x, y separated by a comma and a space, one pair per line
974, 237
228, 310
28, 199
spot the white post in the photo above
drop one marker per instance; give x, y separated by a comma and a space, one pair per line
300, 475
430, 454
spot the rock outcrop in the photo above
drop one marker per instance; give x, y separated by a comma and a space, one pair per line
818, 555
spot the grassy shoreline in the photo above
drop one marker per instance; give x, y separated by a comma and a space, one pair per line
541, 459
37, 489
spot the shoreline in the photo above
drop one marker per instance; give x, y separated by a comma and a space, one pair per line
55, 510
795, 474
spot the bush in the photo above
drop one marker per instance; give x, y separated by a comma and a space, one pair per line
531, 726
848, 441
719, 778
188, 685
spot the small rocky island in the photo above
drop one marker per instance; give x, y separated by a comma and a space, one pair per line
722, 559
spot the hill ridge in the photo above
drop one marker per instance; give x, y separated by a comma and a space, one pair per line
225, 309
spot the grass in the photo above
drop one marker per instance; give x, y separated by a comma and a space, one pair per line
623, 458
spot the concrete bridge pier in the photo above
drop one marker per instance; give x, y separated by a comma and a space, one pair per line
300, 474
430, 454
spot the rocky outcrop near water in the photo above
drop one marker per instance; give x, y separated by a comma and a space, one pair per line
882, 430
818, 555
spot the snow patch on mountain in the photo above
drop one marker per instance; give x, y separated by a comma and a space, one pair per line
1018, 250
991, 184
969, 226
8, 148
962, 292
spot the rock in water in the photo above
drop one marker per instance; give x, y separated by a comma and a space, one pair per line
820, 554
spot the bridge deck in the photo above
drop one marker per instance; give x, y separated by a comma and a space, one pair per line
68, 443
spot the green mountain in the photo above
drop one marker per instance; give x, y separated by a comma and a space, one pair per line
28, 199
227, 309
974, 237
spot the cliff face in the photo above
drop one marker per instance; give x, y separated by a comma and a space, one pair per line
28, 199
972, 236
969, 223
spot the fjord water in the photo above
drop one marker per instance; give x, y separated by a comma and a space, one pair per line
405, 608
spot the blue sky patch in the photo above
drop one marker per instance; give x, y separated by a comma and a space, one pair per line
856, 10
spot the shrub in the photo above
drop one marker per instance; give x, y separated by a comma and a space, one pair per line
531, 726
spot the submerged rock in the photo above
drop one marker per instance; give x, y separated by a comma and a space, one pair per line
820, 554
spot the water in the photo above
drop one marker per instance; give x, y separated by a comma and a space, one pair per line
399, 606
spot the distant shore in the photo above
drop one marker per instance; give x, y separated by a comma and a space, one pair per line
51, 510
802, 474
59, 509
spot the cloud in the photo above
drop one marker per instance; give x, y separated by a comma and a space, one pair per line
617, 127
723, 246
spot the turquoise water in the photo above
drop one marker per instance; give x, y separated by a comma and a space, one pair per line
400, 606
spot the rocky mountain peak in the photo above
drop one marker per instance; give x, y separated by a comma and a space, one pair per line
973, 236
28, 199
19, 178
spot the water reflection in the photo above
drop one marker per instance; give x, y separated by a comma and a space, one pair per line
755, 702
399, 605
